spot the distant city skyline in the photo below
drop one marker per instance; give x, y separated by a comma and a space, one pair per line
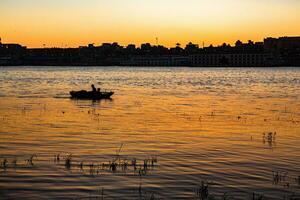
72, 23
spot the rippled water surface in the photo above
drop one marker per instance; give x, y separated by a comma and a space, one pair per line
200, 124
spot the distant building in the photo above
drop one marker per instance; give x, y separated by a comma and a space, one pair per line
11, 54
242, 55
228, 59
91, 46
131, 47
285, 51
282, 43
157, 61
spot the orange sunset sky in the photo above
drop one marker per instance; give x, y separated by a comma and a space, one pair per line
70, 23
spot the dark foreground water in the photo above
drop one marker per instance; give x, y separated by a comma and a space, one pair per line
181, 126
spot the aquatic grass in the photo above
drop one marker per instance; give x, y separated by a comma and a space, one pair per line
81, 165
57, 158
116, 164
298, 180
202, 192
269, 137
284, 179
15, 162
141, 195
133, 163
30, 160
257, 196
91, 168
113, 166
279, 176
4, 163
226, 196
102, 193
119, 150
68, 161
200, 118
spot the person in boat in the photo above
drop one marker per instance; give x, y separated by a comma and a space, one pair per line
98, 90
93, 88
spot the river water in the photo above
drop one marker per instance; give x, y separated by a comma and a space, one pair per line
235, 130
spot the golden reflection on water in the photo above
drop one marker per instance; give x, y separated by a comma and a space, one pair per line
204, 135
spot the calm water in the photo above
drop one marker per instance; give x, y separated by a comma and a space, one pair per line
201, 124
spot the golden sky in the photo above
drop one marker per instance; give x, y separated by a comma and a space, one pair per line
72, 23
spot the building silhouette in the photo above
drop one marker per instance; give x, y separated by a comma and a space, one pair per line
283, 51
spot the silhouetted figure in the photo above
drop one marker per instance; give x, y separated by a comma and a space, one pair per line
95, 94
93, 88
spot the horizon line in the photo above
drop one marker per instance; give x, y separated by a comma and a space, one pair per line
139, 44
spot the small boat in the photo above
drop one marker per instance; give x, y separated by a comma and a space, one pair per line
96, 95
